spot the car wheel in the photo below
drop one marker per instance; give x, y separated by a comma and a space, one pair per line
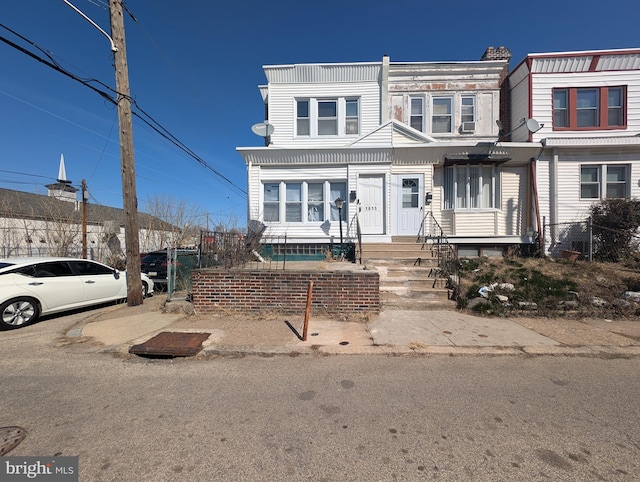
145, 289
18, 312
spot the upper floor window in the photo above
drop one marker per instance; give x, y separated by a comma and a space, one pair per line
351, 117
589, 108
442, 115
615, 185
470, 186
327, 117
416, 118
468, 114
302, 117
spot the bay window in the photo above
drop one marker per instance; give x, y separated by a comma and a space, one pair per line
470, 186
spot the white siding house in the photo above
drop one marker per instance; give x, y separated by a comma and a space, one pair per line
398, 142
588, 106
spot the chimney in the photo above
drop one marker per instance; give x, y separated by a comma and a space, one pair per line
501, 53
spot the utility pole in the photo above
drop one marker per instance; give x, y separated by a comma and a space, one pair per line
84, 219
129, 196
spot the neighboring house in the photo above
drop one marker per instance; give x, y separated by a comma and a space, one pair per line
40, 225
588, 104
404, 144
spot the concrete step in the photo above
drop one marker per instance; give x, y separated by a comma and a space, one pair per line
414, 301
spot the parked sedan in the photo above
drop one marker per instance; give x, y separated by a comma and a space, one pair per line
30, 287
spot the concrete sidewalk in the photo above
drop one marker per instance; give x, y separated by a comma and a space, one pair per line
116, 329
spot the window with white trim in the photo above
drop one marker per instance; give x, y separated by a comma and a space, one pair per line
442, 115
315, 201
352, 117
271, 206
303, 202
327, 117
416, 118
302, 117
468, 108
293, 206
470, 186
319, 117
615, 185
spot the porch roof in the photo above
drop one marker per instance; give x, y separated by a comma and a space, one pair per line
429, 153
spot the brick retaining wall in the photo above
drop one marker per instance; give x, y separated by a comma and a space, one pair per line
243, 290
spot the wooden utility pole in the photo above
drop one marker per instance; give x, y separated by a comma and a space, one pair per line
84, 219
129, 196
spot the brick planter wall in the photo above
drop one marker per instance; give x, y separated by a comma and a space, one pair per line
286, 291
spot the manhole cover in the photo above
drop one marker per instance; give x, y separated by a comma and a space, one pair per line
170, 344
10, 437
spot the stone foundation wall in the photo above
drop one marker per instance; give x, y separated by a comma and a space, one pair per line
286, 291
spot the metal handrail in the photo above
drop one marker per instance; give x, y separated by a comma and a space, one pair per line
447, 257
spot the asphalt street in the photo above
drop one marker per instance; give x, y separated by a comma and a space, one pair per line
359, 417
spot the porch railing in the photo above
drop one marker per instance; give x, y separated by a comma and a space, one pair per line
431, 233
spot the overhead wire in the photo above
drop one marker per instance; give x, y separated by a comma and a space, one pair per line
145, 117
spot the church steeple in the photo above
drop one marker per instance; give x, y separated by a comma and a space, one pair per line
62, 189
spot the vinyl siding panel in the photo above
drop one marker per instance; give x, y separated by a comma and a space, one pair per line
513, 216
282, 111
519, 109
481, 223
570, 206
542, 101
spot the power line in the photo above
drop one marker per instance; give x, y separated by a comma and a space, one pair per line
147, 119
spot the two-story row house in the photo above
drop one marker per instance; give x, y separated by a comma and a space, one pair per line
588, 104
465, 146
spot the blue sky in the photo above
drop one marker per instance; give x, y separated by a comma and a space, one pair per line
195, 65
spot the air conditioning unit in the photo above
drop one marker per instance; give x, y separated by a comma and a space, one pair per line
468, 128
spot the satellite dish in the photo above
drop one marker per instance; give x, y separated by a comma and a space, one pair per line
533, 125
262, 129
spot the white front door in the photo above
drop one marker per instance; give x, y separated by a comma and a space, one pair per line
371, 195
409, 204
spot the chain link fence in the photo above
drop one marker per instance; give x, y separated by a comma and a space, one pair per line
590, 242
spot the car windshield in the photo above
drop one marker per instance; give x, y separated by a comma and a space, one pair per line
4, 265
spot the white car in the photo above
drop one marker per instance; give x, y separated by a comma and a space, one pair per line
30, 287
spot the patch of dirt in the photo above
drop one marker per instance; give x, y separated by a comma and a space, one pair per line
559, 287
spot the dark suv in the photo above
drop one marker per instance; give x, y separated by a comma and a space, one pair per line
154, 265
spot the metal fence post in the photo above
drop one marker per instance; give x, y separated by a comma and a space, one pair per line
590, 237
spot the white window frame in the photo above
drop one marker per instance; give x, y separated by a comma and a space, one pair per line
473, 108
450, 115
460, 194
413, 115
306, 119
352, 118
341, 119
331, 190
602, 183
